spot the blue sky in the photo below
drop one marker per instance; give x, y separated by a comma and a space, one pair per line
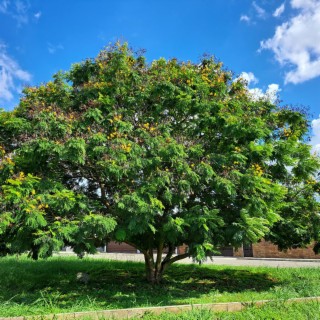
274, 44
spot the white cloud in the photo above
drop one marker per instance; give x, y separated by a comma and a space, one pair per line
248, 77
296, 42
271, 94
37, 15
11, 76
315, 139
54, 48
304, 4
260, 11
4, 6
279, 11
17, 9
244, 18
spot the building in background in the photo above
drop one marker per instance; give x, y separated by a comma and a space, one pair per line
262, 249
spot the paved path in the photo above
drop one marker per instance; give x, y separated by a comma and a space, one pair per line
230, 261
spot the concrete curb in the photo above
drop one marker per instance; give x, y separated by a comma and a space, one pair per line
136, 312
115, 255
280, 259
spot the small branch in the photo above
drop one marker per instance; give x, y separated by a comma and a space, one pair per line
168, 261
159, 255
179, 257
135, 246
150, 254
103, 192
169, 254
150, 249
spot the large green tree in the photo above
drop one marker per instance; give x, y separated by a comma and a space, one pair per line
155, 155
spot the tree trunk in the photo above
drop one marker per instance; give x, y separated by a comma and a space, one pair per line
34, 252
154, 276
156, 269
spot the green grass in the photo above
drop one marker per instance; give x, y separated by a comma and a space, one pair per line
274, 311
50, 286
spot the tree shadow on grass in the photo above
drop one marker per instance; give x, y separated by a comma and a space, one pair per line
224, 280
53, 283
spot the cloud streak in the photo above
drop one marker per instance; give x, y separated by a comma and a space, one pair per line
12, 76
315, 139
245, 18
260, 11
52, 49
17, 10
279, 11
37, 15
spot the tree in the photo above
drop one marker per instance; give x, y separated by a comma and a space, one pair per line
155, 155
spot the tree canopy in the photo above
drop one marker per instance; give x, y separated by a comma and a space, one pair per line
155, 155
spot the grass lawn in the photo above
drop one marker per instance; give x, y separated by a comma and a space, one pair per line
274, 311
50, 286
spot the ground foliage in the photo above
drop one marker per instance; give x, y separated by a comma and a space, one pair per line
155, 155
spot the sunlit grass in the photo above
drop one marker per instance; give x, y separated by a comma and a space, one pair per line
274, 311
50, 286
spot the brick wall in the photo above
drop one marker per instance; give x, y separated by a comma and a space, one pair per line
265, 249
120, 247
238, 252
124, 248
262, 249
182, 249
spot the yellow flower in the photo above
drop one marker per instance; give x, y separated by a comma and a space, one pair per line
126, 147
9, 161
257, 169
146, 125
117, 117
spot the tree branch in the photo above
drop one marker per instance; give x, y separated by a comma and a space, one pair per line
169, 254
135, 246
179, 257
